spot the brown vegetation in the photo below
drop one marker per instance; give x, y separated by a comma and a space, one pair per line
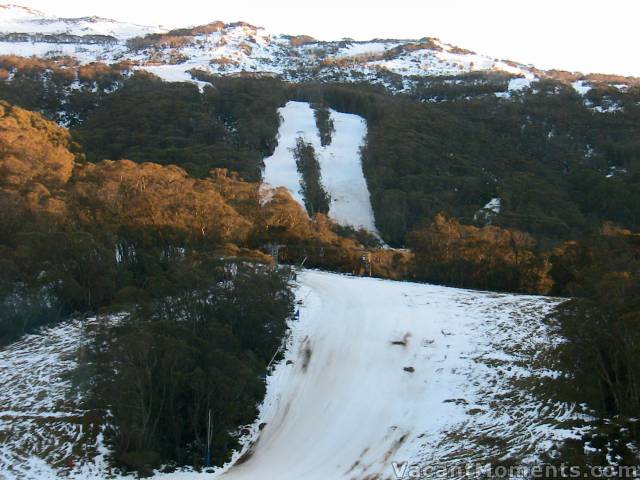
39, 170
301, 40
489, 257
32, 150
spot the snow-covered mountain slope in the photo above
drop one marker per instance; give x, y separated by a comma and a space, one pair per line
213, 49
340, 163
27, 32
380, 372
238, 48
375, 372
17, 19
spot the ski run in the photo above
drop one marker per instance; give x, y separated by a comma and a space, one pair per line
375, 372
340, 163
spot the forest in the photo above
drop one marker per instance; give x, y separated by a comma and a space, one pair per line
559, 167
545, 155
195, 355
69, 224
132, 208
205, 309
599, 359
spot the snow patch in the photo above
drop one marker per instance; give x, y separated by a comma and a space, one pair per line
615, 171
520, 84
494, 205
42, 422
365, 48
174, 73
582, 87
516, 85
608, 108
487, 213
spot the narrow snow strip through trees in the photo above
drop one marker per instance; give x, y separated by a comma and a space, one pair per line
280, 168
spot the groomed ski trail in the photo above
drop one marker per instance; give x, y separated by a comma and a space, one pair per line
340, 163
380, 372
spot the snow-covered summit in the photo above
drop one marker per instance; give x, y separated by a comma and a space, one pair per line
237, 48
15, 19
17, 12
198, 53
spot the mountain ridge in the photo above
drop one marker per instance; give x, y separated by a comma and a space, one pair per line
239, 47
195, 54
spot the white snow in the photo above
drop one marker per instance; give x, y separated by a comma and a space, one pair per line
607, 105
15, 13
487, 213
608, 108
615, 171
342, 174
494, 205
365, 48
174, 73
17, 19
42, 422
519, 84
582, 87
340, 405
280, 168
340, 163
448, 61
85, 53
346, 407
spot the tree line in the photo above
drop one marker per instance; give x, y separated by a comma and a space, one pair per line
316, 199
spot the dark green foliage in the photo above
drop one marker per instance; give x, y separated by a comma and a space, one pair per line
545, 154
61, 89
200, 347
460, 87
603, 321
51, 274
201, 334
325, 125
24, 308
600, 358
232, 125
316, 199
59, 38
